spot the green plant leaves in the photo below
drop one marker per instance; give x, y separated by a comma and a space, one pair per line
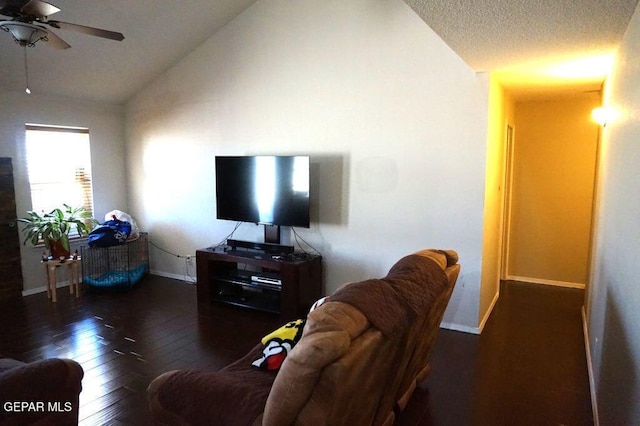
56, 225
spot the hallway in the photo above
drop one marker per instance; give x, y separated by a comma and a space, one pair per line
527, 368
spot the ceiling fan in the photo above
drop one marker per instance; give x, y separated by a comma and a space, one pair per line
29, 21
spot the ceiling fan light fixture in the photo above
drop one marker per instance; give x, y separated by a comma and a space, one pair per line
23, 33
27, 27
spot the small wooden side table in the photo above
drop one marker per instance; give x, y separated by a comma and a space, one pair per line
72, 274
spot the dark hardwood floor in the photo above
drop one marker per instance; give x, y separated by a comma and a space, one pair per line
528, 367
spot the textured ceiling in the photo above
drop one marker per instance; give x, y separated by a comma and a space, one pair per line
518, 37
537, 44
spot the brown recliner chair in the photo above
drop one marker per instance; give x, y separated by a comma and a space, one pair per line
44, 392
359, 359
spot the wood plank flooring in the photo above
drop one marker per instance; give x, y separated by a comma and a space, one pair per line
528, 367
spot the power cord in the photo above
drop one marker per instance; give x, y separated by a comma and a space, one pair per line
188, 258
168, 252
224, 240
188, 278
298, 238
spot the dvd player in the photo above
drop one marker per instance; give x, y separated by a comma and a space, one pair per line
265, 280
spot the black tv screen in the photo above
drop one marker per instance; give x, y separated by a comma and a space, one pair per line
271, 190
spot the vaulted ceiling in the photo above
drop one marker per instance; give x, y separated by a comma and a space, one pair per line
531, 42
158, 33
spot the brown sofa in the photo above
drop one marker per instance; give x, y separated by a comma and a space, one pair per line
361, 354
42, 393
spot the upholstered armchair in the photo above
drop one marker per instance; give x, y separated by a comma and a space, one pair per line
44, 392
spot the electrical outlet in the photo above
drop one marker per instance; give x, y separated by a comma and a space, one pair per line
188, 260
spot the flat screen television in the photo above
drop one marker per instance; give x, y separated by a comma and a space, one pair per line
270, 190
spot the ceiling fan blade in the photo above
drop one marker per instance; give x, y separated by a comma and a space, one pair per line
39, 8
87, 30
56, 42
11, 7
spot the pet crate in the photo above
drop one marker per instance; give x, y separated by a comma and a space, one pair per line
120, 266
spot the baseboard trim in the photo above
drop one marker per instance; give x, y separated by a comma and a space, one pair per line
592, 382
458, 327
472, 330
61, 284
488, 314
43, 288
554, 283
184, 278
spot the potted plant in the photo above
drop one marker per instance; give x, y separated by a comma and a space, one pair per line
53, 228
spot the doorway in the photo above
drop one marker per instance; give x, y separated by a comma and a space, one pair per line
506, 201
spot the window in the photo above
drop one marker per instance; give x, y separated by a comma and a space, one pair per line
59, 167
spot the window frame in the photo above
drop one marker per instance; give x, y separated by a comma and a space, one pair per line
82, 175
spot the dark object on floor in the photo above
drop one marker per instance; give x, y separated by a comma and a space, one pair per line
44, 392
360, 357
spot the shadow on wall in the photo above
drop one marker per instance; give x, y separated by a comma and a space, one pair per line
617, 391
329, 177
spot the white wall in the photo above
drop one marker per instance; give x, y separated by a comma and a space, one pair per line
105, 123
613, 317
394, 120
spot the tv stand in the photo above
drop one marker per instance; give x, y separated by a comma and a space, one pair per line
286, 285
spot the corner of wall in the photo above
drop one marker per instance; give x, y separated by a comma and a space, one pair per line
592, 381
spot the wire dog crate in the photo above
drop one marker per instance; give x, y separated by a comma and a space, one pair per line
114, 267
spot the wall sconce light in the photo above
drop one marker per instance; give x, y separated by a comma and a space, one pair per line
603, 115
